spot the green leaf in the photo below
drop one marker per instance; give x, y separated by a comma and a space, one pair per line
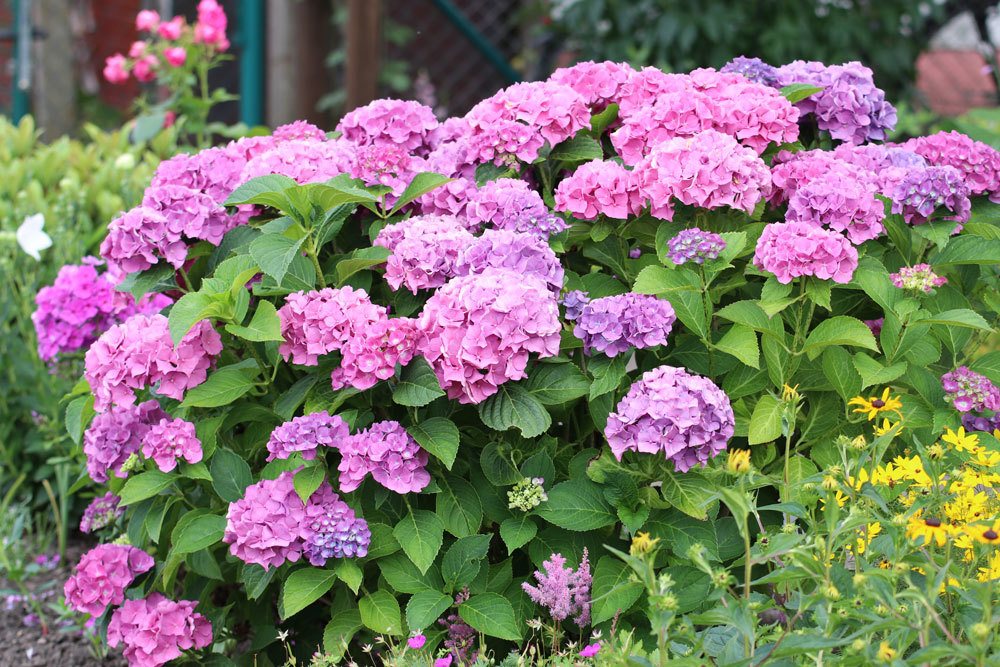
191, 309
609, 374
577, 504
689, 492
221, 388
765, 422
78, 413
741, 342
380, 612
338, 632
613, 589
197, 530
796, 92
159, 278
839, 369
460, 507
439, 436
307, 480
600, 121
421, 534
252, 191
557, 383
840, 330
461, 562
424, 608
492, 615
289, 402
497, 468
988, 365
274, 254
513, 407
872, 372
750, 314
581, 148
421, 184
264, 325
144, 485
256, 579
968, 250
417, 386
404, 577
517, 531
350, 573
303, 587
230, 475
958, 317
359, 260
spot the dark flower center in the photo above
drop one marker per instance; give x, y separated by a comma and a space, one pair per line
990, 535
933, 523
878, 403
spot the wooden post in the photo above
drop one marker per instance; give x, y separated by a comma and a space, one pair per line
298, 34
54, 72
364, 51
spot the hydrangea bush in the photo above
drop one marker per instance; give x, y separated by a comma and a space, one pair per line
622, 363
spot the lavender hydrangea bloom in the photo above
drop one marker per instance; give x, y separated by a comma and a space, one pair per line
305, 434
754, 69
526, 254
919, 192
613, 324
684, 417
425, 251
981, 423
574, 303
389, 453
101, 512
332, 530
695, 245
115, 435
265, 526
563, 591
969, 391
978, 162
511, 204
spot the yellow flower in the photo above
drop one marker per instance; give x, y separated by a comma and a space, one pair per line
911, 468
873, 406
936, 452
930, 530
790, 394
738, 462
886, 653
887, 427
865, 536
986, 458
992, 570
965, 542
961, 441
985, 534
970, 505
642, 543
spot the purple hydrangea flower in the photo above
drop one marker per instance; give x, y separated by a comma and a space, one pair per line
305, 434
613, 324
389, 453
695, 245
574, 303
425, 251
978, 162
754, 69
115, 435
969, 391
793, 249
527, 254
332, 530
101, 512
511, 204
265, 526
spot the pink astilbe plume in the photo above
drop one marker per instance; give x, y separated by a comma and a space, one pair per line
563, 591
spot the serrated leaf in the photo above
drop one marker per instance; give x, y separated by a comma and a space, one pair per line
838, 368
439, 436
251, 191
577, 504
307, 480
554, 384
609, 374
424, 608
517, 531
796, 92
303, 587
338, 632
968, 250
492, 615
689, 492
872, 372
461, 563
274, 254
191, 309
144, 485
765, 422
581, 148
741, 342
230, 475
380, 612
417, 386
421, 184
263, 326
359, 260
840, 330
221, 388
513, 407
614, 589
420, 533
460, 507
197, 530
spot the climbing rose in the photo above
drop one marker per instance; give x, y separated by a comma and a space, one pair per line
211, 25
115, 435
305, 434
614, 324
169, 441
672, 412
563, 591
389, 453
156, 630
102, 575
790, 250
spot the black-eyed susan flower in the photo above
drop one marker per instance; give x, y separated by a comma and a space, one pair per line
985, 534
961, 441
930, 530
992, 570
873, 406
885, 652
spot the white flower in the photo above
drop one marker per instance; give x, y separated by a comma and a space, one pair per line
31, 237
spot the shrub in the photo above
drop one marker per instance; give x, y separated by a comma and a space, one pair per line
368, 422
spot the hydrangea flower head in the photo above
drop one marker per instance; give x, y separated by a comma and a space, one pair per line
266, 525
694, 245
322, 321
137, 240
918, 193
790, 250
526, 254
574, 302
478, 331
917, 278
978, 162
305, 434
403, 123
511, 204
297, 130
614, 324
155, 630
302, 160
684, 417
599, 188
170, 440
452, 198
598, 83
969, 391
332, 530
425, 251
842, 199
389, 453
563, 591
115, 435
373, 352
101, 512
102, 575
753, 69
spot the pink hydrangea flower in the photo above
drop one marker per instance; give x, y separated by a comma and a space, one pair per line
452, 198
156, 630
373, 352
319, 322
424, 249
331, 529
677, 113
305, 160
599, 188
299, 130
403, 123
389, 453
139, 354
918, 278
614, 324
598, 83
385, 164
563, 591
969, 391
478, 331
684, 417
210, 28
113, 436
526, 254
266, 525
102, 575
843, 199
978, 162
644, 87
511, 204
305, 434
169, 441
101, 512
137, 240
793, 249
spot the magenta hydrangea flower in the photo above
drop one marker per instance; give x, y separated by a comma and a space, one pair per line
790, 250
694, 245
389, 453
614, 324
332, 530
305, 434
969, 391
319, 322
707, 170
644, 87
850, 107
139, 353
598, 83
137, 240
385, 164
170, 440
917, 278
80, 305
298, 130
102, 575
101, 512
599, 188
372, 353
156, 630
526, 254
682, 112
452, 198
265, 526
842, 199
563, 591
115, 435
752, 69
403, 123
303, 160
792, 171
511, 204
672, 412
190, 214
875, 325
978, 162
478, 331
425, 251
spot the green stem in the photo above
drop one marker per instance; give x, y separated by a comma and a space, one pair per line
315, 262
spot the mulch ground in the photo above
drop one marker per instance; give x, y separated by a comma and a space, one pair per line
29, 647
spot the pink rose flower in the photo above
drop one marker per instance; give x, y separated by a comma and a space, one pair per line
115, 70
175, 56
147, 20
